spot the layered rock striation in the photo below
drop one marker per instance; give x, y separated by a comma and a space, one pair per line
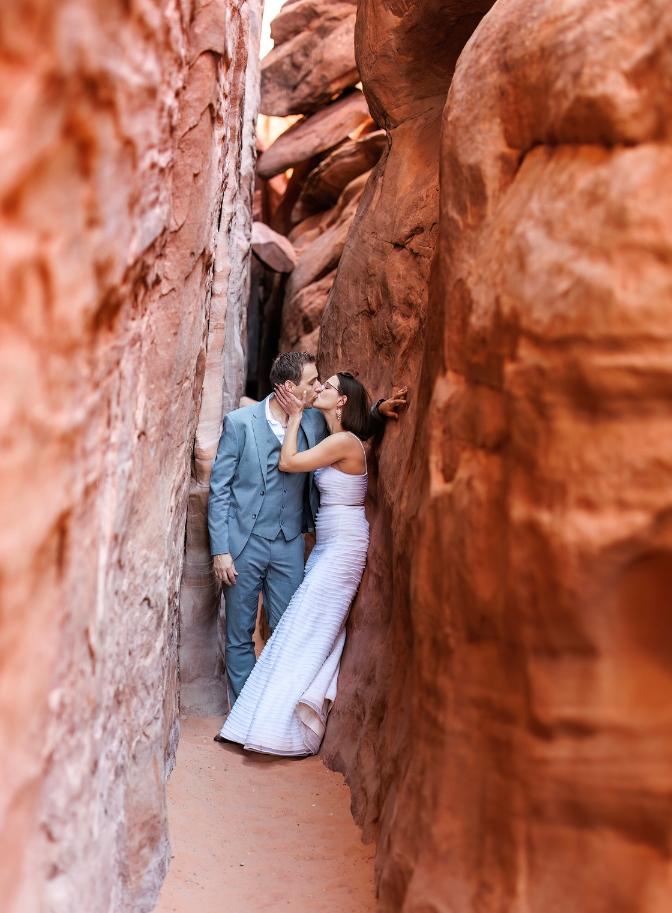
503, 712
122, 290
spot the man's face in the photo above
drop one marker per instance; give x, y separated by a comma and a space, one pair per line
310, 382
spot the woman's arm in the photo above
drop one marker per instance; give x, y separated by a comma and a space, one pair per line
332, 449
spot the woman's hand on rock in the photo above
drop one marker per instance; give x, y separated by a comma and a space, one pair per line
290, 403
389, 407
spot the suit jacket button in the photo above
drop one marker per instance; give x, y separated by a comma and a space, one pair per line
262, 492
284, 490
254, 516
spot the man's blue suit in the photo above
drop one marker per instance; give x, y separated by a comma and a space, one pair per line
257, 513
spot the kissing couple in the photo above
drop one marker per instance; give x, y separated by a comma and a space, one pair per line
292, 463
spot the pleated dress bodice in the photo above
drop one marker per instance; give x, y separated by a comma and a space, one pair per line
338, 489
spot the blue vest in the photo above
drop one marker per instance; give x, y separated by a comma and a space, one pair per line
282, 505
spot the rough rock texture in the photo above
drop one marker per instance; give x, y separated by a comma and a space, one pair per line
323, 254
313, 58
375, 322
114, 157
307, 230
504, 712
220, 376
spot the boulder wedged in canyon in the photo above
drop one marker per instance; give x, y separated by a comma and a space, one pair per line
319, 251
275, 250
313, 58
323, 253
325, 183
314, 134
118, 189
502, 716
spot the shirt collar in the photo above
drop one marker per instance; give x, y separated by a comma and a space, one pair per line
272, 421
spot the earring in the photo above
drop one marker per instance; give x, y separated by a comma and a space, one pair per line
338, 414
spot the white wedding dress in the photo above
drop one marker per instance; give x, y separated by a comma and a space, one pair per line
284, 704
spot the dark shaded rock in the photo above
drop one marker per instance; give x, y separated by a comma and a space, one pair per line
323, 254
302, 314
309, 229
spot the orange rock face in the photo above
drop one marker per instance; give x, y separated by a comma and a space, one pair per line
504, 718
116, 124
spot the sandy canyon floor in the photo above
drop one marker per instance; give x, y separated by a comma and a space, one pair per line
253, 833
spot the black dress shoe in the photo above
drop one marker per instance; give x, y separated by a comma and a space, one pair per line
220, 738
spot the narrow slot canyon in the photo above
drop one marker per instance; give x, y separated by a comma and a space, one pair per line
471, 198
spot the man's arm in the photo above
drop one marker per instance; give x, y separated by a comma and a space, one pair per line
223, 471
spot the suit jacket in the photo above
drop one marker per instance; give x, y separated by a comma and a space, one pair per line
239, 476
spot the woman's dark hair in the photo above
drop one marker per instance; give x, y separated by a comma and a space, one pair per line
356, 411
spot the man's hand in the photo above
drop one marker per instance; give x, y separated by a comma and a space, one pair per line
225, 569
389, 406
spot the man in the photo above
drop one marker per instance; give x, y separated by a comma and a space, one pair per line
256, 513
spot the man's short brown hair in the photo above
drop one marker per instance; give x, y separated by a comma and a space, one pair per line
289, 366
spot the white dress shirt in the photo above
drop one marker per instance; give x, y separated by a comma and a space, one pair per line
276, 427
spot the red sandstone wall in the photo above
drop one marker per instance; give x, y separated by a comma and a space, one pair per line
503, 717
113, 161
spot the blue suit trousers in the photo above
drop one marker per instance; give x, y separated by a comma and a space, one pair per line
274, 567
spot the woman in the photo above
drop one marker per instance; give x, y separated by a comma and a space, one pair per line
284, 704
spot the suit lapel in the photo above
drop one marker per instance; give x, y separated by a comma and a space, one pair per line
307, 428
260, 428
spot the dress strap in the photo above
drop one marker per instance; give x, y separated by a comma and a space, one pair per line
366, 468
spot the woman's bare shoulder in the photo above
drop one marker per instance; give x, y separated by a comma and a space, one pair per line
347, 442
344, 437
